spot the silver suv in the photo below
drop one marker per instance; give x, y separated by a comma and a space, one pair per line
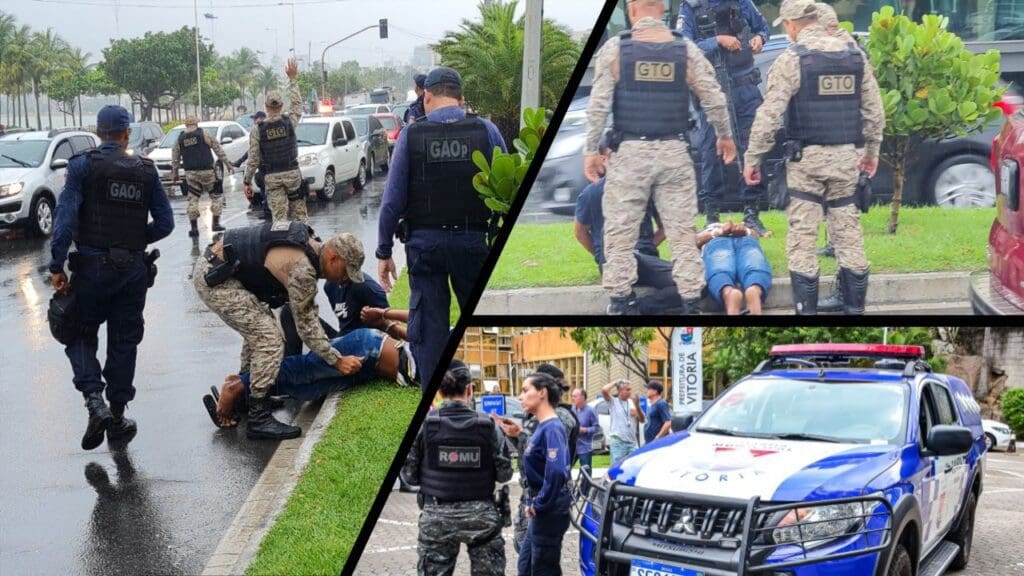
33, 167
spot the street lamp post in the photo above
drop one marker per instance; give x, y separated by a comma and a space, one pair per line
382, 26
213, 32
276, 53
532, 33
199, 71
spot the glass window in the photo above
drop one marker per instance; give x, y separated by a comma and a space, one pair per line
388, 122
375, 125
64, 151
944, 406
360, 122
312, 134
337, 132
82, 143
350, 132
602, 408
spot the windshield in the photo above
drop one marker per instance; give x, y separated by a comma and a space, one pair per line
245, 121
135, 136
360, 123
361, 110
172, 136
854, 412
22, 153
311, 134
388, 122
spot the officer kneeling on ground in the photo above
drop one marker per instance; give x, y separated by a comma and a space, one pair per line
105, 207
252, 270
430, 185
456, 459
832, 106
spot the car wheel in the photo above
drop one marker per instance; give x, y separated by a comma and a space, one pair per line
360, 180
40, 218
373, 166
327, 193
964, 181
990, 442
964, 535
900, 564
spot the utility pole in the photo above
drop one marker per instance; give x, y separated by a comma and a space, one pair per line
532, 33
382, 25
199, 71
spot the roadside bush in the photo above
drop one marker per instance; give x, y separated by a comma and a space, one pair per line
1013, 409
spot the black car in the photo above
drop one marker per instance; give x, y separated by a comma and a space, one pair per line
144, 137
375, 143
954, 172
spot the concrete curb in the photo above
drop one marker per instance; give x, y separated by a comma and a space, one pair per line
241, 541
885, 290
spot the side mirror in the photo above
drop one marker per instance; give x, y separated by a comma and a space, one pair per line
340, 142
58, 164
682, 422
949, 440
227, 140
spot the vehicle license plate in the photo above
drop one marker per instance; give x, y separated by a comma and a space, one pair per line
645, 568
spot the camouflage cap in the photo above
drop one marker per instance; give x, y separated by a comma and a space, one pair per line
795, 10
351, 250
190, 120
827, 15
274, 99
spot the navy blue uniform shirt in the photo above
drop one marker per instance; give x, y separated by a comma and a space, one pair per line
546, 466
396, 191
70, 202
750, 14
657, 414
589, 213
348, 300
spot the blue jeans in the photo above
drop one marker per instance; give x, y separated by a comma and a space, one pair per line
308, 377
115, 295
745, 101
738, 262
541, 551
585, 459
620, 448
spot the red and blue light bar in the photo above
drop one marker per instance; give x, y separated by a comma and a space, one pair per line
908, 352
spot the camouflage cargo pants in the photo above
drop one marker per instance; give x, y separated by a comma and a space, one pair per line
279, 186
443, 527
831, 173
262, 339
198, 182
637, 172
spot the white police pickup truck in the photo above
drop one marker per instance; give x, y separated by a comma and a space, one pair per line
829, 459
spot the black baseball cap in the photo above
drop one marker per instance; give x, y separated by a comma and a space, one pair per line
420, 80
443, 75
112, 118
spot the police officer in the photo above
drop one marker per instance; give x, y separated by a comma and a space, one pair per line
252, 270
193, 148
430, 186
273, 149
832, 106
415, 109
456, 459
645, 75
729, 32
105, 207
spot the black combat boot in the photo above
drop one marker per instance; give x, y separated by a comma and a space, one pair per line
691, 306
99, 419
194, 232
711, 209
216, 225
834, 301
261, 424
121, 430
805, 293
855, 290
752, 219
624, 306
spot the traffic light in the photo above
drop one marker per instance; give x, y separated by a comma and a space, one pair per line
383, 27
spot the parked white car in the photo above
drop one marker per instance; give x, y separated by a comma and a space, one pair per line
33, 168
232, 137
330, 152
997, 435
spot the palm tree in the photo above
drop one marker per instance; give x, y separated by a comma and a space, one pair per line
7, 28
17, 57
489, 55
44, 48
266, 80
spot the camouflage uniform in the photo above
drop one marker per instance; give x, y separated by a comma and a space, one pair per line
262, 339
475, 523
826, 171
660, 169
279, 185
199, 181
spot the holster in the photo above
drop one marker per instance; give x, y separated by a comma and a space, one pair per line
614, 140
402, 230
778, 191
299, 193
220, 270
63, 316
864, 192
793, 150
218, 188
151, 258
501, 502
192, 190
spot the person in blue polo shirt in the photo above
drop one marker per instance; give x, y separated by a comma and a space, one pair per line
430, 188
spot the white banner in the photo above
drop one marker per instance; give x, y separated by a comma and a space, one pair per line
687, 370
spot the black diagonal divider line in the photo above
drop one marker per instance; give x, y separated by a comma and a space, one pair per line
456, 334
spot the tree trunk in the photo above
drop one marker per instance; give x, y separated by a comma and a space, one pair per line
24, 102
35, 94
898, 169
145, 110
49, 111
81, 123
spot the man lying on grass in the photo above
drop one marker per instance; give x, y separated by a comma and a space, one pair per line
308, 377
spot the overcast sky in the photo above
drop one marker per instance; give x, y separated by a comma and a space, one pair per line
90, 24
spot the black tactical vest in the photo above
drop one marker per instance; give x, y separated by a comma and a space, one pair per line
826, 109
651, 96
251, 245
441, 173
116, 197
195, 152
458, 462
279, 151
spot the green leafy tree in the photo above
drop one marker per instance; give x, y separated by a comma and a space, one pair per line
488, 53
628, 345
1013, 409
157, 65
932, 87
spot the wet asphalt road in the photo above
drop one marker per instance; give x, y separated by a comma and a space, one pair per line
161, 506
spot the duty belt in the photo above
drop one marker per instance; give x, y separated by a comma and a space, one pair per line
437, 501
837, 203
752, 78
632, 136
462, 227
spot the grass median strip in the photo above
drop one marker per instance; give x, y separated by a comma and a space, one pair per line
325, 512
930, 239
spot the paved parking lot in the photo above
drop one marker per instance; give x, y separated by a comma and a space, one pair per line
998, 549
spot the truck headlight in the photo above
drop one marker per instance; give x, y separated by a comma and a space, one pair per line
11, 189
308, 159
815, 525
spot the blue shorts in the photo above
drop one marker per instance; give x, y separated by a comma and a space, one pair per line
738, 262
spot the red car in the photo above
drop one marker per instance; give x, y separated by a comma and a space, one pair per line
1000, 289
392, 125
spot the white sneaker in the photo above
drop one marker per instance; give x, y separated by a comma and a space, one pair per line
408, 375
